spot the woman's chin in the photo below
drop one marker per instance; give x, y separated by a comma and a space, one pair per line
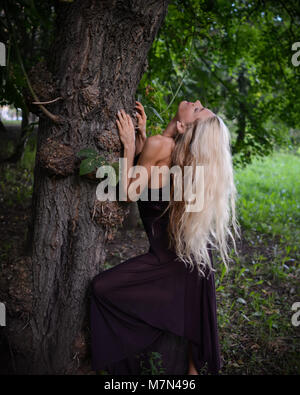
182, 104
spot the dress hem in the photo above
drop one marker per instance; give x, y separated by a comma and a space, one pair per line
200, 363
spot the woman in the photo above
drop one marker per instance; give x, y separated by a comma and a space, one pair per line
171, 287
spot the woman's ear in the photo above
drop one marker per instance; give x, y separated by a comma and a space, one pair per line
180, 127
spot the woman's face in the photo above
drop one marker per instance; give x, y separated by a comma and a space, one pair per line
189, 112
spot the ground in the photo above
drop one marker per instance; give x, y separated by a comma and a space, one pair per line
254, 299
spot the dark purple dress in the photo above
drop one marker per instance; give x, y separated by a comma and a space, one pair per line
136, 302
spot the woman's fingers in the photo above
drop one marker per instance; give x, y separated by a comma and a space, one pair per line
126, 128
125, 119
122, 116
130, 120
138, 116
140, 108
119, 115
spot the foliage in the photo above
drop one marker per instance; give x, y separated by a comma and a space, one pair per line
16, 182
93, 161
154, 361
269, 200
26, 28
236, 58
254, 300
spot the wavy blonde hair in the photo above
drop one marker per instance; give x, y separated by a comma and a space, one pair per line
205, 143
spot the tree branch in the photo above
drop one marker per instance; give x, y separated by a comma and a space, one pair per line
54, 118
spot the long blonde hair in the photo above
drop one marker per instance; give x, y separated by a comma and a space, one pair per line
205, 143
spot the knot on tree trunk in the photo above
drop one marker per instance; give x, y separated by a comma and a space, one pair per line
57, 158
108, 140
44, 85
110, 215
89, 97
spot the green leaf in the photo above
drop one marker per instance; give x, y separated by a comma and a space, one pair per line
156, 113
87, 152
100, 161
115, 165
87, 166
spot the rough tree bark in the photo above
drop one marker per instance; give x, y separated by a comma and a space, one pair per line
97, 60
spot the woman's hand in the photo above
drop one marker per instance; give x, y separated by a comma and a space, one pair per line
141, 135
126, 129
141, 120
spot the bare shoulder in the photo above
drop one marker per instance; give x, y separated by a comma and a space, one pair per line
154, 141
159, 146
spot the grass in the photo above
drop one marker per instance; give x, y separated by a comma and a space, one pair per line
153, 365
269, 196
15, 122
255, 298
16, 185
16, 180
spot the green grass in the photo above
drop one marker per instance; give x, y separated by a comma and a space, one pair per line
153, 365
269, 196
16, 181
9, 122
255, 298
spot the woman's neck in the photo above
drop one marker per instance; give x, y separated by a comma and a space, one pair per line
171, 129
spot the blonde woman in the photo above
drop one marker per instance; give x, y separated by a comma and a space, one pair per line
171, 287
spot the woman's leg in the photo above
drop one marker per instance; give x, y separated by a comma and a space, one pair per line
192, 369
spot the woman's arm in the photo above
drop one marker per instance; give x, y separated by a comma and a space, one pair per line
150, 156
141, 135
139, 144
127, 137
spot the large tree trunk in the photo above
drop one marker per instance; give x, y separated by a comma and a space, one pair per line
97, 59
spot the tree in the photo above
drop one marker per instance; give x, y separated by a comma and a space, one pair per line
225, 53
95, 62
26, 28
